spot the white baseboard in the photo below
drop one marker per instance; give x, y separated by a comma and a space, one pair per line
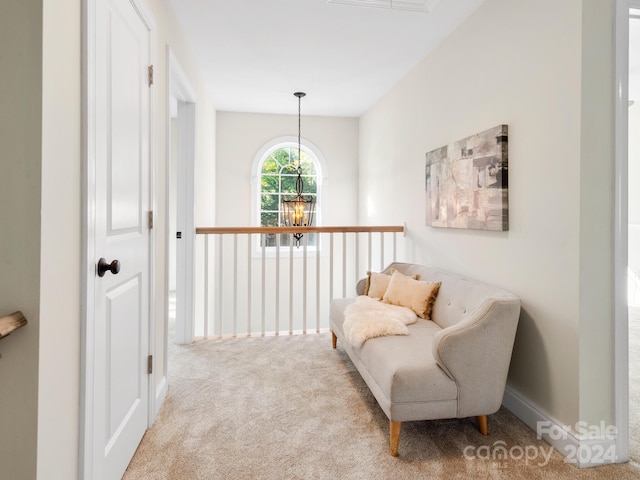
161, 394
582, 444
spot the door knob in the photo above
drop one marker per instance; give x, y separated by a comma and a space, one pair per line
104, 267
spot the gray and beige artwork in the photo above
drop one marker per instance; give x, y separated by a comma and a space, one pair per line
467, 182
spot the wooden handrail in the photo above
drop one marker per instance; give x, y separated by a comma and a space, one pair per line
11, 322
338, 229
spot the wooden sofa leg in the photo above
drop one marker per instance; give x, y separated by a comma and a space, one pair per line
334, 340
394, 437
483, 425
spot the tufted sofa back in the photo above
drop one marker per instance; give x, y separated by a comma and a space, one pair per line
458, 298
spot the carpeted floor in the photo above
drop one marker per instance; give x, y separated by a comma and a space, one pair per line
293, 408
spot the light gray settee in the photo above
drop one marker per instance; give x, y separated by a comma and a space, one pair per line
453, 366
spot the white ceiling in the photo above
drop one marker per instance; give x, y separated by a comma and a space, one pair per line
254, 54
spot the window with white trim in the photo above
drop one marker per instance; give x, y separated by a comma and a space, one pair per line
276, 172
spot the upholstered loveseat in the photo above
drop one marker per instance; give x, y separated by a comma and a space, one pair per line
452, 366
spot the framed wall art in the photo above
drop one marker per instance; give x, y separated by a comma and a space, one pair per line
467, 182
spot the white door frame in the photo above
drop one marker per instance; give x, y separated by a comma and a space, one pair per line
180, 89
621, 228
88, 275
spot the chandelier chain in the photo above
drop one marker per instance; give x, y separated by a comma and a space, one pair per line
299, 130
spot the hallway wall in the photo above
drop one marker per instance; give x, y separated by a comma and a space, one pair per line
544, 68
61, 301
20, 266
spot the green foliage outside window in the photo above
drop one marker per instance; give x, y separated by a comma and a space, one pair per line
278, 181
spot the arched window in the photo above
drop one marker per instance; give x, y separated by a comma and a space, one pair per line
275, 174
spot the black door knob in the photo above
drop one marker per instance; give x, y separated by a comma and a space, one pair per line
104, 267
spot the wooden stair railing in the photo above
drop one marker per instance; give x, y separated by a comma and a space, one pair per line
10, 323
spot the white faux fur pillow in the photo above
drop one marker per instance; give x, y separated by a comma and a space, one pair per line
414, 294
368, 318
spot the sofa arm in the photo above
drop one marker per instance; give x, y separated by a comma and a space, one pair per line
360, 286
476, 353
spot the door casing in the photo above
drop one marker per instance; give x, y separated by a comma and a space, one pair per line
180, 89
621, 228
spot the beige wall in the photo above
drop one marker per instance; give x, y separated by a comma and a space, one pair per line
241, 135
168, 33
20, 180
544, 68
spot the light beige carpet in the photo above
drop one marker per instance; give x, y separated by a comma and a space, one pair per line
293, 408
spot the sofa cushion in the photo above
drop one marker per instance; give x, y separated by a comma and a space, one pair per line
404, 371
404, 367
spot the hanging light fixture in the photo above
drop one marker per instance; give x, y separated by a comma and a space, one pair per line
298, 212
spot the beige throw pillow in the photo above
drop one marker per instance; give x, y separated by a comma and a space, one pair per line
377, 283
414, 294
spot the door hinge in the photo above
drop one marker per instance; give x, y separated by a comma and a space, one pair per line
150, 364
150, 75
150, 219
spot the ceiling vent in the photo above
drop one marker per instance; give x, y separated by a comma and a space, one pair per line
425, 6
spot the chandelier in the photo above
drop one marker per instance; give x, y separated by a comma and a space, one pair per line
298, 211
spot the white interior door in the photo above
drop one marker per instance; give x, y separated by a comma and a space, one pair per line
121, 298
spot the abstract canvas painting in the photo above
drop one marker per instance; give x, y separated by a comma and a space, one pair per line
467, 182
